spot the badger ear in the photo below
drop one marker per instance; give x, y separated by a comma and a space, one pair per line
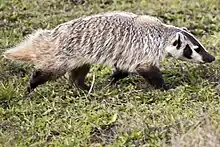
185, 29
178, 40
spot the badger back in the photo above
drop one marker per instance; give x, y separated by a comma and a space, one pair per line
112, 39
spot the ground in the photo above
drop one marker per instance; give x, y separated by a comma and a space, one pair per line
128, 114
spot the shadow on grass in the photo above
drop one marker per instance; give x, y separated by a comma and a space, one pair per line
174, 77
105, 134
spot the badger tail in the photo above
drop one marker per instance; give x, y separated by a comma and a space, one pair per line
29, 49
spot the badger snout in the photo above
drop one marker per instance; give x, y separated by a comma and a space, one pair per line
207, 58
211, 59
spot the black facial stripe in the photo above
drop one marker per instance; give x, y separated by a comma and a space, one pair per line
198, 50
187, 52
177, 43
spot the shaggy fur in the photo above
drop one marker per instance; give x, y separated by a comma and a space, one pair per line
124, 40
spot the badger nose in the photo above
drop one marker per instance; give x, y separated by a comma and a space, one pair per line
211, 59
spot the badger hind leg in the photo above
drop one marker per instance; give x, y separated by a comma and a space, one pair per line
153, 75
117, 75
77, 76
39, 77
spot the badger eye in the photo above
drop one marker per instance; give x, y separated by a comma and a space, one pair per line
197, 50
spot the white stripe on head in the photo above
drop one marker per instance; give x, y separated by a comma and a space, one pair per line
194, 39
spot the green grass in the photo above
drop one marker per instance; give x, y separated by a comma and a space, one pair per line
128, 114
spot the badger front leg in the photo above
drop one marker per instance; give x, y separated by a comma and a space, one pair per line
77, 77
153, 75
117, 75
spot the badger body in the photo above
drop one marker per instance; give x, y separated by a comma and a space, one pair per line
122, 40
119, 39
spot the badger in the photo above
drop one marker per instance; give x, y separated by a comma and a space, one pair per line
128, 42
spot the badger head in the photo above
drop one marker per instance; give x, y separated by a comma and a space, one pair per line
184, 46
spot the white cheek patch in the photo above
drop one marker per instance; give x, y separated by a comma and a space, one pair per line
173, 51
196, 57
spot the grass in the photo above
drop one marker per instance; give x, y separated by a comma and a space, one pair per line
128, 114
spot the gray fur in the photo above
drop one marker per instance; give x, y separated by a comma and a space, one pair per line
121, 39
118, 38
